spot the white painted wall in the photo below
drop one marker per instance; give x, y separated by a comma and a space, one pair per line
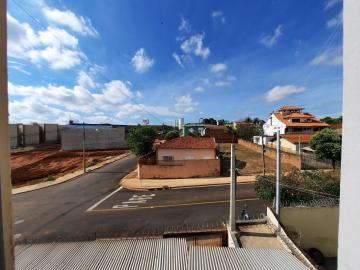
349, 223
272, 125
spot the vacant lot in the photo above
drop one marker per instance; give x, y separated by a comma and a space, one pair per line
46, 164
250, 162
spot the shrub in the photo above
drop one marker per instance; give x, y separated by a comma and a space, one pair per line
298, 185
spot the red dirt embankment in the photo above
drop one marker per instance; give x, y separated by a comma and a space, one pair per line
49, 163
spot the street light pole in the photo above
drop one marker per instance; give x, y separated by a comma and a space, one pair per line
278, 172
263, 151
232, 190
83, 154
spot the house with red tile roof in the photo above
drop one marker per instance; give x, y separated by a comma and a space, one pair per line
187, 148
183, 157
296, 127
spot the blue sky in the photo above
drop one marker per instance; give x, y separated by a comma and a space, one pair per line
123, 61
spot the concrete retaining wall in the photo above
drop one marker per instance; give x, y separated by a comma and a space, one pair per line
30, 134
50, 132
183, 169
14, 135
289, 158
106, 138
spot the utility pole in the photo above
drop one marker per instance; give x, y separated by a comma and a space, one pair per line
83, 155
278, 172
232, 189
6, 236
263, 151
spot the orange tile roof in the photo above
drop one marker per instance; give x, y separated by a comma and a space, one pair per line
299, 115
336, 126
189, 142
314, 122
295, 138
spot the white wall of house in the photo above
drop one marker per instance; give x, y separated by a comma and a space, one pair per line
272, 125
259, 139
286, 146
186, 154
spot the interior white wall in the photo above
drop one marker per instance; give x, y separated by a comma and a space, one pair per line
349, 223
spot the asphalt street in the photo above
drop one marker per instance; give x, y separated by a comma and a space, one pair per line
93, 205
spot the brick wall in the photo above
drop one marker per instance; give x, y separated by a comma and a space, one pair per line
289, 158
181, 169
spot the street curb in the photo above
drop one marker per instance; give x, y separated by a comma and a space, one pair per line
66, 177
182, 187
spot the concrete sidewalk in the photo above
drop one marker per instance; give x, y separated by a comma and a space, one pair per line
133, 183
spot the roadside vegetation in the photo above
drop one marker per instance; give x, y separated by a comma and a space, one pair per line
300, 186
248, 132
327, 145
141, 140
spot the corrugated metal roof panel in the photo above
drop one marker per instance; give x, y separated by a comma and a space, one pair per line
104, 254
149, 254
240, 258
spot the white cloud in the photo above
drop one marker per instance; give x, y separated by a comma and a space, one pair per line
53, 46
271, 40
335, 21
330, 57
219, 67
178, 60
85, 80
199, 89
331, 3
185, 104
228, 80
194, 45
57, 102
79, 24
184, 25
218, 16
281, 92
141, 62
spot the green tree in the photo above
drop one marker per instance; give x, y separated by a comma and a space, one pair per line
327, 145
247, 132
248, 120
223, 122
141, 139
330, 120
172, 135
209, 121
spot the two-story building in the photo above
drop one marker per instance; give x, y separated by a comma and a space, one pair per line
296, 127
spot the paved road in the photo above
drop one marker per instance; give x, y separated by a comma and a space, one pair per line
94, 204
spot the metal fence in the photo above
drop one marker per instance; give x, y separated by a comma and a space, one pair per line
310, 162
321, 202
